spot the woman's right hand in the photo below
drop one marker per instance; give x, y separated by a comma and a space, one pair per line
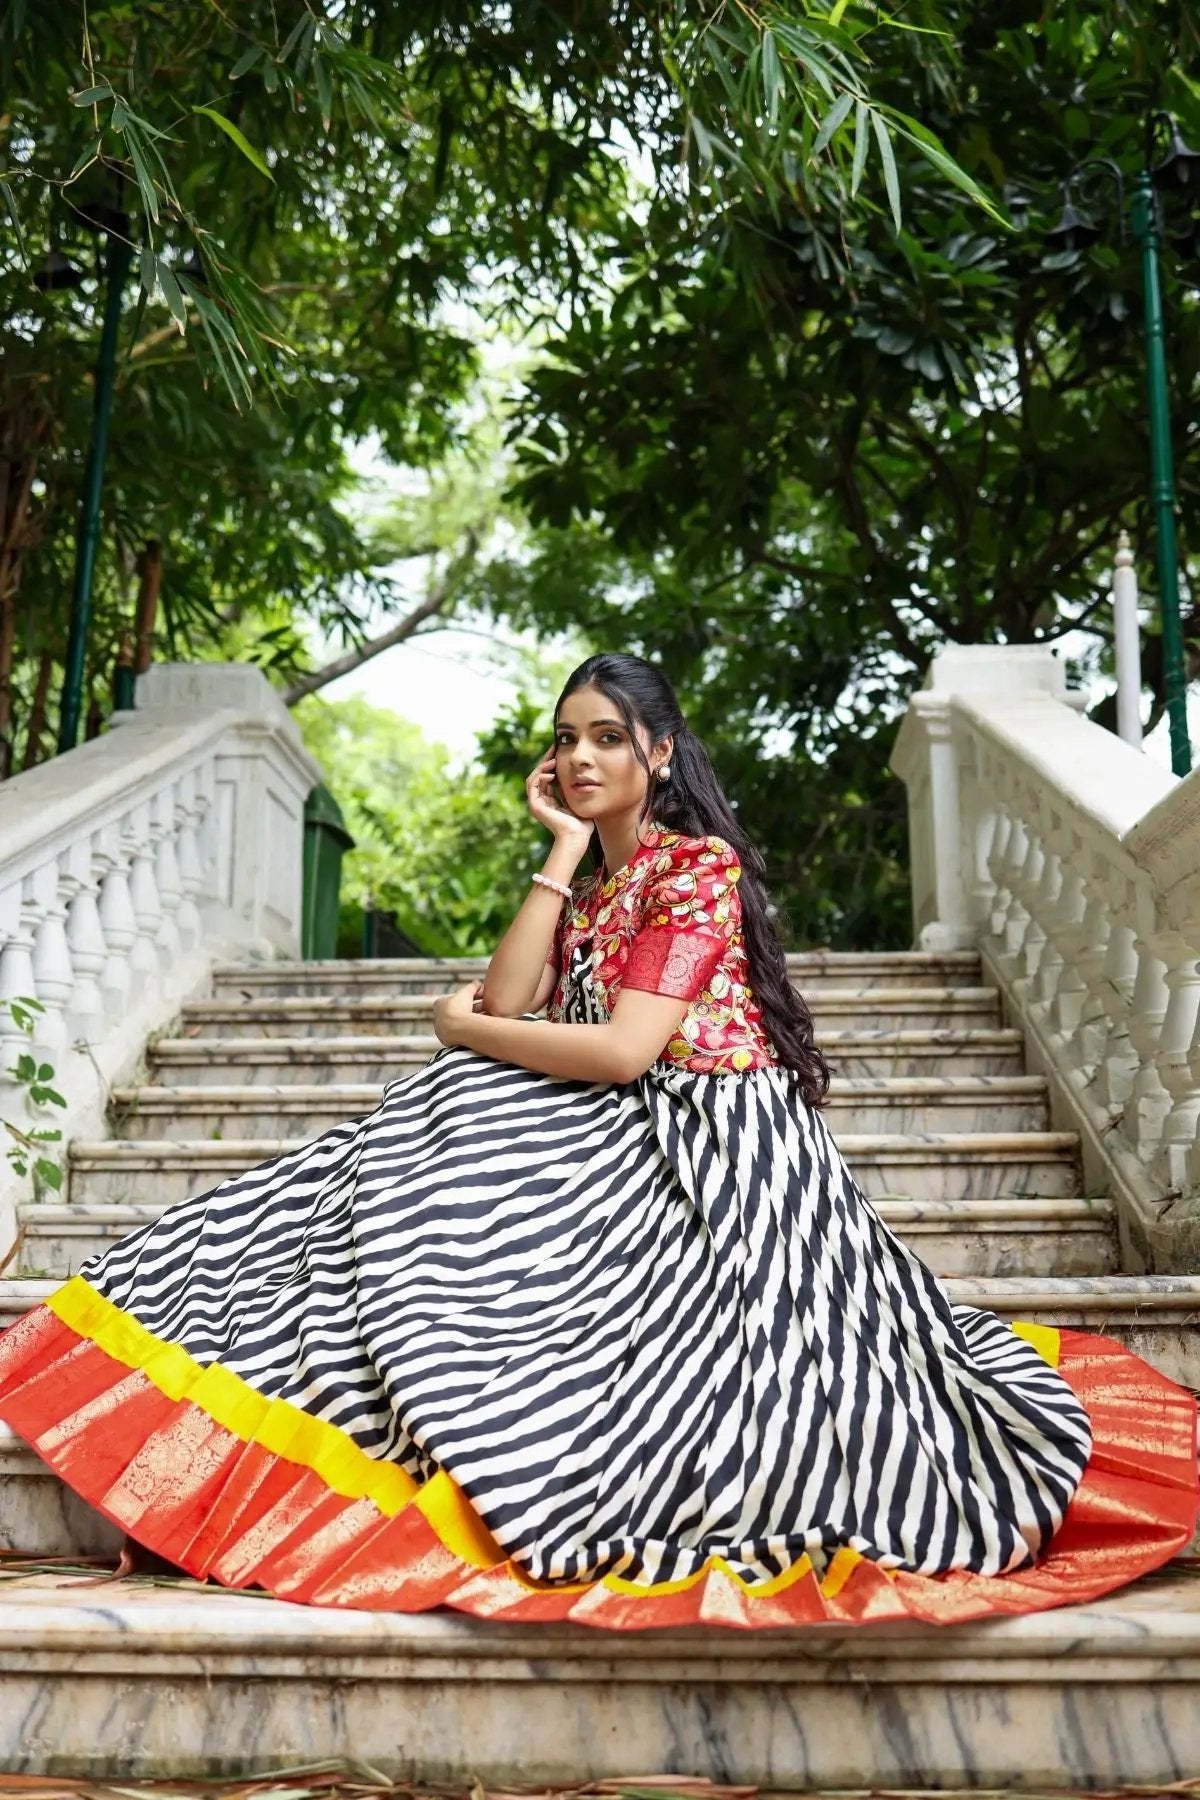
564, 826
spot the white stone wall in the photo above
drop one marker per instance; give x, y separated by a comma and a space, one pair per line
130, 865
1073, 863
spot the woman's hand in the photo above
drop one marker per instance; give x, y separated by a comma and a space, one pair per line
450, 1011
563, 825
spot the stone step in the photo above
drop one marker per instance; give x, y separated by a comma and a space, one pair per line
973, 1237
937, 1103
960, 1165
39, 1514
267, 1061
331, 1015
174, 1680
437, 975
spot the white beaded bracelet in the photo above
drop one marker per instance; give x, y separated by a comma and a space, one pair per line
560, 887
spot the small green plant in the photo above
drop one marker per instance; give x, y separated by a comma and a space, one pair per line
25, 1152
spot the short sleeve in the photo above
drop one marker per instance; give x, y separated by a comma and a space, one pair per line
690, 912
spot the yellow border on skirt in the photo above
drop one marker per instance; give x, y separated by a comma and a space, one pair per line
277, 1425
298, 1437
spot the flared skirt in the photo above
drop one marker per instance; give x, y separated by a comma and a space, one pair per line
632, 1354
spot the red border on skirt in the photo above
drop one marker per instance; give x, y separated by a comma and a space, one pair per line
219, 1507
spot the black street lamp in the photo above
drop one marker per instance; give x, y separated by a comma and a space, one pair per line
1179, 170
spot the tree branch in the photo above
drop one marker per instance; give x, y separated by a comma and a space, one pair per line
434, 602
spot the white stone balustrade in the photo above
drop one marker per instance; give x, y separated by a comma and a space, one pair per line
131, 864
1073, 863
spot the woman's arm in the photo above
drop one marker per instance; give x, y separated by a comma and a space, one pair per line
516, 971
620, 1050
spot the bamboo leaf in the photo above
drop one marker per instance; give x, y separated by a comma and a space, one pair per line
15, 219
703, 142
833, 118
835, 17
141, 170
772, 75
93, 95
935, 153
171, 294
861, 141
138, 311
320, 69
235, 136
246, 62
300, 39
86, 158
891, 180
303, 23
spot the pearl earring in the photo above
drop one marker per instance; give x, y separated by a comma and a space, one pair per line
664, 774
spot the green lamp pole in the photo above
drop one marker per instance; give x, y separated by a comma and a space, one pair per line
1180, 168
1148, 238
87, 536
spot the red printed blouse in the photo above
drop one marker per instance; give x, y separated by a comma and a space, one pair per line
669, 922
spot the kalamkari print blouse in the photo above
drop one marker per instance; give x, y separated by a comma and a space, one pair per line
669, 922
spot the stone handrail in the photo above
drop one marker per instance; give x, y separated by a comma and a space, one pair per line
1072, 862
130, 865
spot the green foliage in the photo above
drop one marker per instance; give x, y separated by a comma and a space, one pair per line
448, 850
512, 109
33, 1078
793, 473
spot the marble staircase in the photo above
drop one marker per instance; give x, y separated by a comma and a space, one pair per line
955, 1142
204, 1682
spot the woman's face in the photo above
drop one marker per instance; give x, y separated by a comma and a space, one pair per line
598, 774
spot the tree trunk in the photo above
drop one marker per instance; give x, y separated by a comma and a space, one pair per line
8, 628
37, 712
150, 571
16, 484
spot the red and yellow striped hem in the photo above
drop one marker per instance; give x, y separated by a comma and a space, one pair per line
193, 1462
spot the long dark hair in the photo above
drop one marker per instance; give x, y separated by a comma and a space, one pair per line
691, 802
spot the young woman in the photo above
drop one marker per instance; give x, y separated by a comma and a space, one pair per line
588, 1318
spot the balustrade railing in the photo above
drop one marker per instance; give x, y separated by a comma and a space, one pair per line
1073, 862
128, 866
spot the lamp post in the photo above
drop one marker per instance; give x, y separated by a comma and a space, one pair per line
58, 272
1179, 169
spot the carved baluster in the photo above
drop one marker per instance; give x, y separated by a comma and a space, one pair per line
1070, 988
1028, 934
1192, 1179
115, 911
1116, 1062
1016, 917
191, 872
209, 842
166, 881
143, 893
1179, 1043
997, 862
1091, 1029
982, 889
1149, 1101
16, 969
52, 970
1046, 966
85, 941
